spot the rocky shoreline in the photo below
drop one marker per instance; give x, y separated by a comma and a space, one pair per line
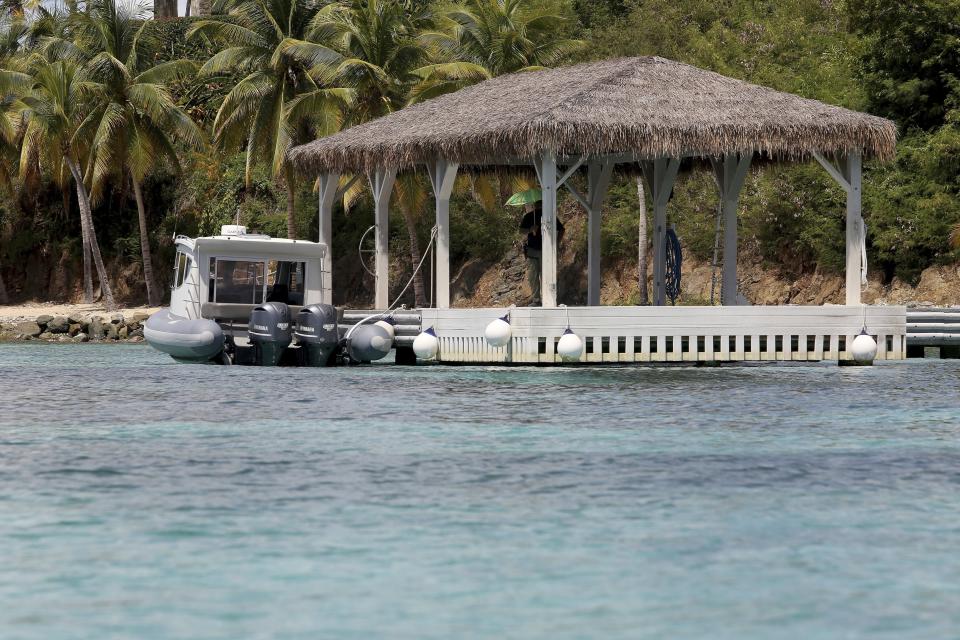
115, 327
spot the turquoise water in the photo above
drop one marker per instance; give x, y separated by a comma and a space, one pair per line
142, 499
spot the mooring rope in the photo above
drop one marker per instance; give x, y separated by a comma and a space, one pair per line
383, 314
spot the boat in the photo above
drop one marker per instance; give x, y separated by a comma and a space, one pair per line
246, 298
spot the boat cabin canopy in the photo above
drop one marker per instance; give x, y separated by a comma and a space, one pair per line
224, 277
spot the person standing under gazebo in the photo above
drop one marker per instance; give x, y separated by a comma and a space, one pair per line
533, 249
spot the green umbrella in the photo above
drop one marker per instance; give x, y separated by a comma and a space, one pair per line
525, 197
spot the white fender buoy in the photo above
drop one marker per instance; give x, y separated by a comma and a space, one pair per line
864, 348
426, 345
388, 324
570, 346
498, 332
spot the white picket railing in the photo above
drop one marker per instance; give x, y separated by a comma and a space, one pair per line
670, 334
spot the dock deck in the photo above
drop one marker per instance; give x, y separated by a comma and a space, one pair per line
662, 334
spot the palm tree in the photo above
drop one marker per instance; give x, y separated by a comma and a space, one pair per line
134, 120
277, 102
58, 98
373, 47
480, 39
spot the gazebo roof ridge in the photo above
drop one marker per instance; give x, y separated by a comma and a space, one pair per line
646, 107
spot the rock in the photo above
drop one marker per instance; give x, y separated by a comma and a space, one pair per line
44, 319
96, 329
58, 324
116, 318
81, 337
122, 332
111, 332
465, 282
140, 317
136, 339
46, 335
31, 329
136, 333
64, 338
75, 328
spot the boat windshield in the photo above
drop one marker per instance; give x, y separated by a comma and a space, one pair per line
252, 281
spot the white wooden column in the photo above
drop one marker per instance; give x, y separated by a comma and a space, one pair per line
855, 229
598, 178
660, 175
548, 231
442, 176
328, 196
731, 171
381, 183
849, 177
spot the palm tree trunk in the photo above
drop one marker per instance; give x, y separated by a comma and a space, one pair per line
85, 213
419, 292
153, 298
87, 268
4, 299
291, 222
642, 243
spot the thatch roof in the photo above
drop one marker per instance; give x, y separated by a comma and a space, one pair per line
650, 107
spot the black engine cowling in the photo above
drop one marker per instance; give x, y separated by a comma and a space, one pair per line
270, 332
317, 334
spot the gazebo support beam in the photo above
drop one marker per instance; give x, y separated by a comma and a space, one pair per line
730, 171
660, 175
381, 183
328, 195
442, 176
599, 173
855, 229
547, 172
849, 177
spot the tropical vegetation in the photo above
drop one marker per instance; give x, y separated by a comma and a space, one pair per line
118, 131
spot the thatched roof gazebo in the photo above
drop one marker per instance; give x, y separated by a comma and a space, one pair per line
647, 111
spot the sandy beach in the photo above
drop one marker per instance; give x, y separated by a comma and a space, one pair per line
30, 311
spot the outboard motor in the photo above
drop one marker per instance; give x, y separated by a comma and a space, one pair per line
369, 342
317, 334
270, 332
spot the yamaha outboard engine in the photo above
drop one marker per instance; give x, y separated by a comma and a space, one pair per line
317, 334
270, 332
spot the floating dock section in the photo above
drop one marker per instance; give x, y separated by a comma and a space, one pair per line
669, 334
